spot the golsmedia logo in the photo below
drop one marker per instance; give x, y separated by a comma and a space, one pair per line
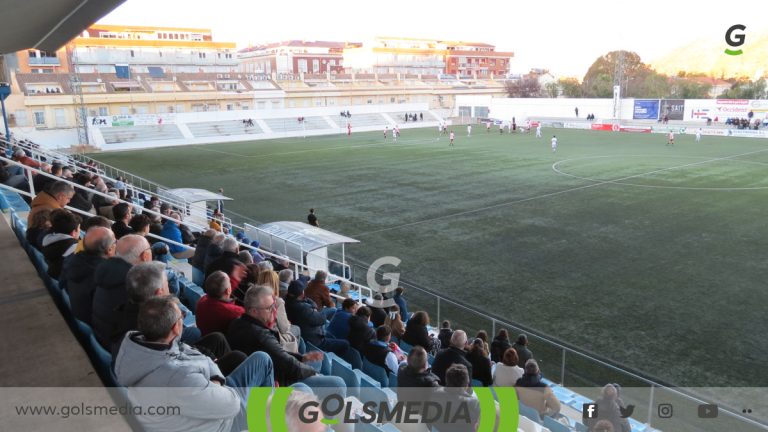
265, 415
734, 39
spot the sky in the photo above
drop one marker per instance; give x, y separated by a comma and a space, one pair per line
563, 36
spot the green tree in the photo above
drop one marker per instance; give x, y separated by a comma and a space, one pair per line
524, 88
688, 89
570, 87
746, 89
552, 90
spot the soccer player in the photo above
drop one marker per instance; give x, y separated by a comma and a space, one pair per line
452, 136
469, 130
698, 135
395, 133
488, 126
671, 139
445, 127
501, 128
538, 131
554, 143
386, 130
349, 129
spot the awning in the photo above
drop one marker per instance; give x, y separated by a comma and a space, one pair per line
193, 195
47, 25
308, 236
156, 72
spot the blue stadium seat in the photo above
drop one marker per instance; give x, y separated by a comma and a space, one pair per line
581, 428
366, 380
198, 277
392, 380
325, 368
555, 426
405, 346
191, 293
343, 370
376, 372
354, 358
430, 359
530, 413
103, 362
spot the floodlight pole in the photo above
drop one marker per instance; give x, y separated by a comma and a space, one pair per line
5, 90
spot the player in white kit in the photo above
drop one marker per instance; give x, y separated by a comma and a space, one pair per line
469, 130
538, 131
386, 131
452, 136
554, 143
698, 135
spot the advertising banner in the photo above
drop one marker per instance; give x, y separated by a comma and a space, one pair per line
641, 129
605, 127
646, 109
131, 120
673, 109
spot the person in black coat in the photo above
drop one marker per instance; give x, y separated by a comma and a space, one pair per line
61, 241
360, 332
198, 259
481, 364
416, 374
416, 332
499, 346
523, 353
78, 272
445, 333
455, 353
303, 313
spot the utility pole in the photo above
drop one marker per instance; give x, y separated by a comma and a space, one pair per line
81, 119
618, 77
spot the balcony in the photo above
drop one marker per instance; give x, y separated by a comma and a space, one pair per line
50, 61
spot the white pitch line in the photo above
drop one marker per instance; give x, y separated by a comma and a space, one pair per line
551, 194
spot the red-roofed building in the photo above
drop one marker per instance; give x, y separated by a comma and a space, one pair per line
294, 57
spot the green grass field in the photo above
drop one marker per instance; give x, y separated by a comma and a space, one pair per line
648, 255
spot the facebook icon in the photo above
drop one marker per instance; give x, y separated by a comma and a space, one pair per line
589, 411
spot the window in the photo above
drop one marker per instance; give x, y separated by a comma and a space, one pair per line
302, 65
315, 66
133, 54
142, 109
179, 108
39, 118
103, 111
124, 110
230, 107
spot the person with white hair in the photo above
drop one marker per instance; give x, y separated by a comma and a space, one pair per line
455, 353
229, 262
533, 392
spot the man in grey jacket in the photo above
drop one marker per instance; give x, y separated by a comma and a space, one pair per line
163, 372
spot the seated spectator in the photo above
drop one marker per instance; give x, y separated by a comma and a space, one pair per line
216, 309
377, 350
61, 241
416, 372
257, 256
214, 250
445, 333
201, 249
228, 261
416, 332
87, 224
394, 322
481, 364
500, 345
109, 280
140, 224
523, 353
38, 228
122, 213
344, 288
610, 411
57, 196
507, 372
483, 336
78, 271
172, 231
255, 331
318, 292
603, 426
401, 303
534, 393
303, 313
455, 353
245, 257
378, 313
360, 331
40, 182
154, 357
286, 277
339, 325
456, 392
289, 334
215, 223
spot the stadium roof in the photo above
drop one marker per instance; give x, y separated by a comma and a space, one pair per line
47, 25
197, 195
308, 236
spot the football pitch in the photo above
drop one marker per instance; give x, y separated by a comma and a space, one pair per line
649, 255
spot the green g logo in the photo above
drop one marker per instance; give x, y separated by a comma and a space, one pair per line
735, 40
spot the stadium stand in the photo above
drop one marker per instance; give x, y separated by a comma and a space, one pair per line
141, 133
293, 125
362, 120
365, 381
223, 128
